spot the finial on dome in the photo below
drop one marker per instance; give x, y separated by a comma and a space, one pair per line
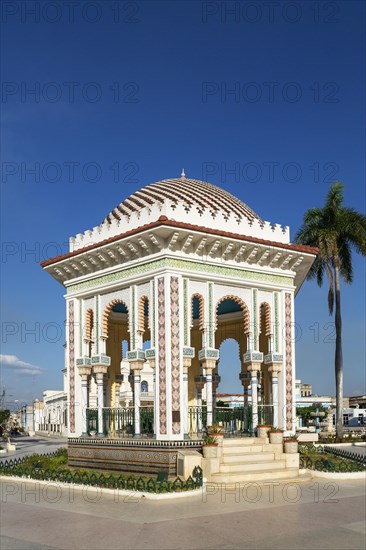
183, 176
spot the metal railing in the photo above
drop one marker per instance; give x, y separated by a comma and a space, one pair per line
265, 415
119, 422
234, 420
197, 420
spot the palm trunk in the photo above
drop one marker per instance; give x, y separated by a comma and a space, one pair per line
338, 357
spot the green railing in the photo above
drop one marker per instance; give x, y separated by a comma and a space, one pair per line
92, 420
235, 421
147, 420
265, 414
119, 422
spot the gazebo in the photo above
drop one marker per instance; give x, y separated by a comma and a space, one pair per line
152, 292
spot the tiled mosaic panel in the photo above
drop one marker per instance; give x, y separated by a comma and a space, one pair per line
174, 326
288, 342
72, 365
162, 356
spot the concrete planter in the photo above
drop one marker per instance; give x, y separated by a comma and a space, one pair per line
291, 447
209, 451
263, 431
276, 438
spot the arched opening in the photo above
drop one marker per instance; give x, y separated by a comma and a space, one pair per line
230, 389
116, 331
144, 386
231, 335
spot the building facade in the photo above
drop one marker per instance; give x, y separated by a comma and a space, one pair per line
151, 294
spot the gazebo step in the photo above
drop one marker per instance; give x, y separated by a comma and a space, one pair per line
242, 441
240, 450
268, 465
255, 475
247, 457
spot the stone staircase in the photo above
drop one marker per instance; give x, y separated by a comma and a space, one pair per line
252, 459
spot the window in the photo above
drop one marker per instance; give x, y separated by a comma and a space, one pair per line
144, 386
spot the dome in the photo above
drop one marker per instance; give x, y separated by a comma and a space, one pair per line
196, 196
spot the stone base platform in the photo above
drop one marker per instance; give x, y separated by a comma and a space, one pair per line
145, 456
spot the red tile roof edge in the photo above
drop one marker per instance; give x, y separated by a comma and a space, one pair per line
163, 220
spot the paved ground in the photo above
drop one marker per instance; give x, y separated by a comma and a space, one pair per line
26, 445
316, 515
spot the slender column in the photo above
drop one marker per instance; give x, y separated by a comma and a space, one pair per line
216, 379
136, 359
244, 377
253, 369
136, 401
184, 402
100, 402
209, 396
200, 381
275, 369
84, 398
100, 370
209, 358
84, 372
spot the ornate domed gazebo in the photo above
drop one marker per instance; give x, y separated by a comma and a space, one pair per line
151, 293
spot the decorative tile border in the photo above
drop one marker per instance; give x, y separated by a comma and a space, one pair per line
175, 351
185, 312
195, 443
81, 327
211, 328
202, 267
162, 356
72, 365
255, 320
97, 324
152, 313
288, 343
276, 323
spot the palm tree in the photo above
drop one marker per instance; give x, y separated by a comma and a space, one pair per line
336, 230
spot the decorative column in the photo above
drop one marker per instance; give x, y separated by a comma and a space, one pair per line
245, 380
200, 382
84, 367
208, 358
274, 362
100, 368
117, 397
150, 356
216, 379
188, 355
253, 361
136, 358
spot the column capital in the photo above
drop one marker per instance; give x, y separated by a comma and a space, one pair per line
208, 357
252, 357
216, 379
244, 377
200, 382
136, 359
274, 368
273, 358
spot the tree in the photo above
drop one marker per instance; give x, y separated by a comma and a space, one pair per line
336, 230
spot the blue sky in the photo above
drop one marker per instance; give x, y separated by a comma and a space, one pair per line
267, 103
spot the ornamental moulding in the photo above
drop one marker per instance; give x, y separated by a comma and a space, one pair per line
201, 267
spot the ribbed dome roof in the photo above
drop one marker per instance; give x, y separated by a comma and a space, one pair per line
194, 194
